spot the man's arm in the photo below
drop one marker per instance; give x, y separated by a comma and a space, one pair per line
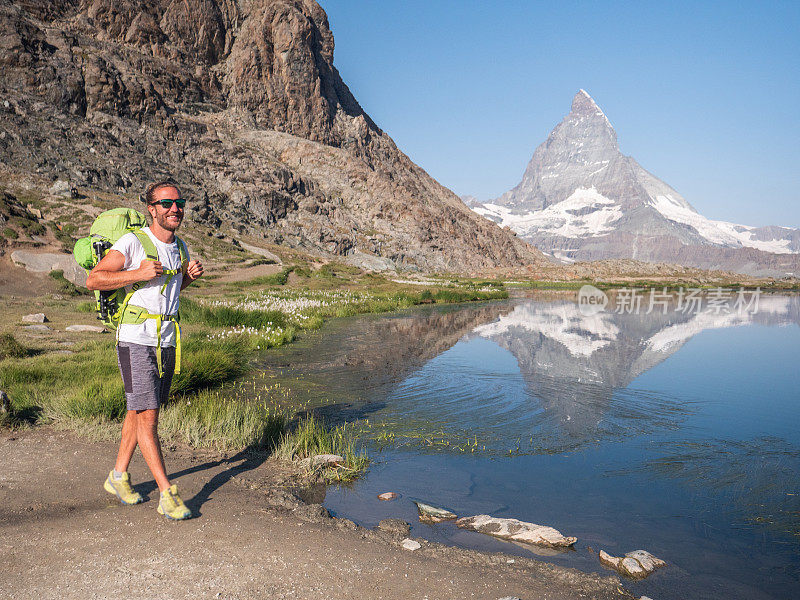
108, 273
193, 272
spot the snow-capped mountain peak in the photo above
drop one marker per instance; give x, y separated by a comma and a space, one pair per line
580, 198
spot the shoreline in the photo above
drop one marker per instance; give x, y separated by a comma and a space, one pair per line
257, 531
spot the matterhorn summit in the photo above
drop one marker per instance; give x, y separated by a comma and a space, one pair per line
580, 198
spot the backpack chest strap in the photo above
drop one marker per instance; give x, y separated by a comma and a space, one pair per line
169, 273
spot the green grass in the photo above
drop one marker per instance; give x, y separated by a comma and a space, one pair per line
63, 235
311, 438
100, 402
86, 306
85, 387
30, 226
279, 278
206, 365
11, 348
261, 261
66, 287
210, 420
225, 316
10, 234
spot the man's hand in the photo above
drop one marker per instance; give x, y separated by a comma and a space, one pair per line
149, 269
194, 270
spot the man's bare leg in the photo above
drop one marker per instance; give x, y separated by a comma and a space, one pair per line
127, 444
147, 437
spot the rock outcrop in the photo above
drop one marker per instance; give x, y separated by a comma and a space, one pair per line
241, 104
580, 198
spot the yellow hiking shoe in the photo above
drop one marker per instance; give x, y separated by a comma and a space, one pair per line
171, 506
122, 489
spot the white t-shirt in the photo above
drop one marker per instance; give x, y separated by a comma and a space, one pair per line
149, 296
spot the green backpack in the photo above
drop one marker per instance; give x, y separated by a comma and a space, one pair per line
112, 307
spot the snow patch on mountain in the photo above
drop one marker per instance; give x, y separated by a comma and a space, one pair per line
585, 213
717, 232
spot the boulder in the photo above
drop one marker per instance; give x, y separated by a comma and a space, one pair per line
38, 328
637, 564
34, 318
44, 262
86, 328
5, 403
517, 531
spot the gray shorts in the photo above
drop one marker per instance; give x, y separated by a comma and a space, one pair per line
144, 389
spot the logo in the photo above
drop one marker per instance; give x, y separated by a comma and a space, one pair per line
591, 300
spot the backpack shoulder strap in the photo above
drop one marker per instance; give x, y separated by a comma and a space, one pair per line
184, 254
147, 244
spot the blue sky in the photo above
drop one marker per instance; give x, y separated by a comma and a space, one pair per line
706, 95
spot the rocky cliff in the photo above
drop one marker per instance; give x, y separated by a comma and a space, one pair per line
580, 198
240, 102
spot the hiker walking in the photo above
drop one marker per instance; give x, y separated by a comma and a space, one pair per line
152, 265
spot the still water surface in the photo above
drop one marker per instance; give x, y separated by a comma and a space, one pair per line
676, 433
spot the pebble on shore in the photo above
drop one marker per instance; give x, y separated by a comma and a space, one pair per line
410, 544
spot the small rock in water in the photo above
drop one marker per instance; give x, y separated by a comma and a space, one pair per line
34, 318
386, 496
89, 328
517, 531
36, 328
433, 514
637, 564
395, 526
410, 544
321, 460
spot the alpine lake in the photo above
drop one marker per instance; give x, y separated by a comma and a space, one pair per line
670, 428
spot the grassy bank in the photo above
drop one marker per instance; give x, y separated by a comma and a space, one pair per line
80, 389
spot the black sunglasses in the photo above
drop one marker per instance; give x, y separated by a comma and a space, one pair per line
167, 202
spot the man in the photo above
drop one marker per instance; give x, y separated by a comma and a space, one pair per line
146, 349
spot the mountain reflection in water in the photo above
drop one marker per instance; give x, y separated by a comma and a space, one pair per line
552, 380
577, 368
672, 432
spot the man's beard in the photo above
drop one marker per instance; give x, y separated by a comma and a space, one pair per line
163, 222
